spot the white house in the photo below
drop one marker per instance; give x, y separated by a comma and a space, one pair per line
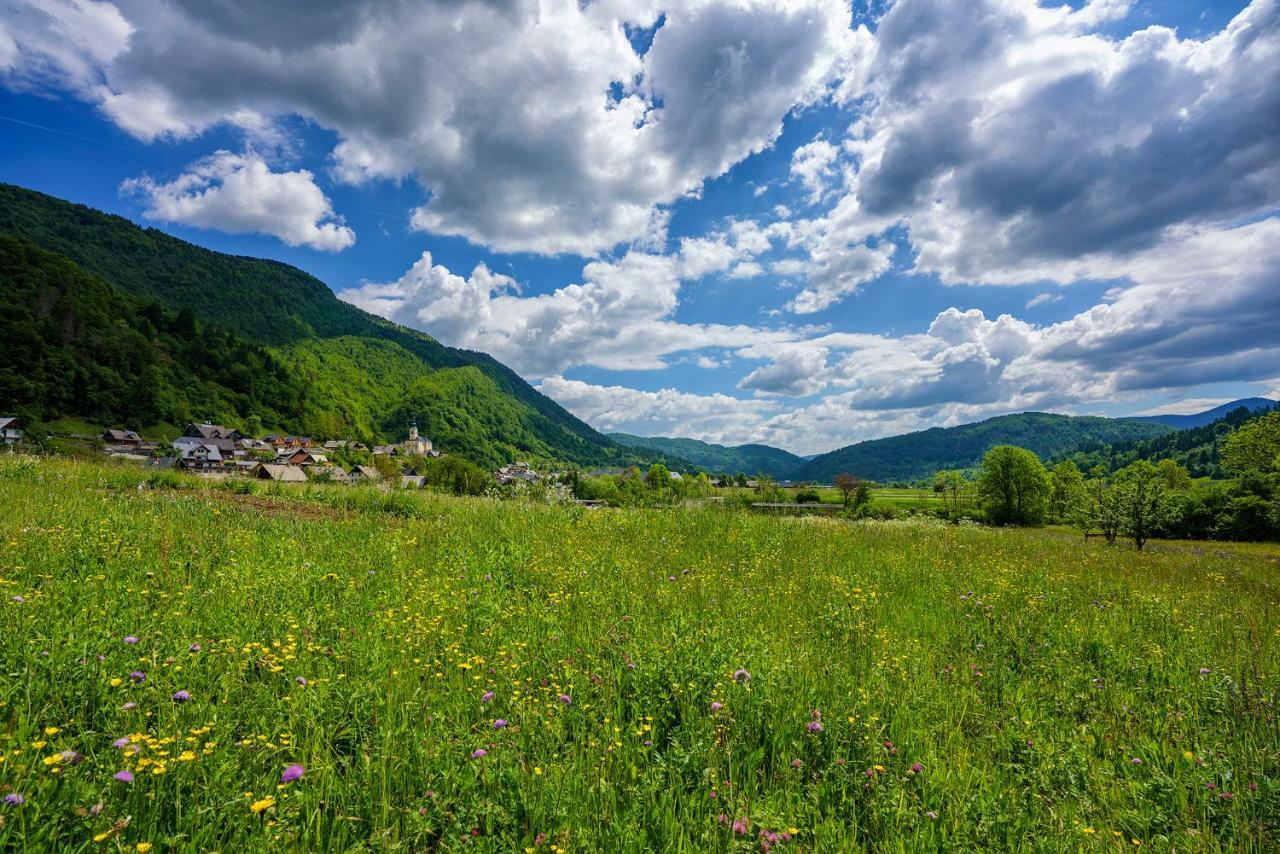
10, 431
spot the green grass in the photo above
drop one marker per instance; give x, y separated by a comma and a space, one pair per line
1024, 671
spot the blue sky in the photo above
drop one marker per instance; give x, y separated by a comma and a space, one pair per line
789, 221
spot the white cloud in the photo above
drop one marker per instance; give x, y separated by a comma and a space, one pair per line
529, 124
813, 165
1043, 299
238, 193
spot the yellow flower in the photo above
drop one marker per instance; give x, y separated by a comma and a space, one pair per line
186, 756
101, 836
143, 847
51, 730
264, 804
117, 682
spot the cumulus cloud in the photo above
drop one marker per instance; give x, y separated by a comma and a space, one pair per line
531, 125
238, 193
813, 165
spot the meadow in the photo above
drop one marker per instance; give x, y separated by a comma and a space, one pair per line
246, 669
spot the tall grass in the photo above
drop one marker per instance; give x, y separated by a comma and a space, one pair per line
912, 686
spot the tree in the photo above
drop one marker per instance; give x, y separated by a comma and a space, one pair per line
658, 477
1139, 489
848, 485
1068, 491
1176, 478
1013, 486
954, 489
1255, 445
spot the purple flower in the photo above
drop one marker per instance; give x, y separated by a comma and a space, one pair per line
130, 639
19, 599
916, 768
479, 753
292, 772
120, 743
129, 705
715, 707
1136, 761
566, 699
1204, 671
796, 763
740, 826
741, 675
194, 648
138, 676
499, 723
123, 776
301, 680
814, 726
933, 815
486, 696
181, 696
14, 798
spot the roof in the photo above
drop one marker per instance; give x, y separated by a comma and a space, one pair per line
270, 471
10, 422
122, 436
213, 452
366, 472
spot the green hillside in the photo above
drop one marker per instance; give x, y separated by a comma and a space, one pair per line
363, 375
916, 456
744, 459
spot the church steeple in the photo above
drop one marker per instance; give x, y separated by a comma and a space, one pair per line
413, 429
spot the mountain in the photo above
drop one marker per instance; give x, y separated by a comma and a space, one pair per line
1200, 419
360, 375
1197, 449
744, 459
917, 456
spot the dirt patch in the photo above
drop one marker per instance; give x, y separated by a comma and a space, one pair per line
277, 507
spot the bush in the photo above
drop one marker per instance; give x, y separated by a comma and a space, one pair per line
808, 496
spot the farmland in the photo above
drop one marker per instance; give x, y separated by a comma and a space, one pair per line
467, 674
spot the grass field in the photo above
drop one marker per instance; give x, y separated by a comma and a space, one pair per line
462, 674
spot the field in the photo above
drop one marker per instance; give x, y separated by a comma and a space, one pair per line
462, 674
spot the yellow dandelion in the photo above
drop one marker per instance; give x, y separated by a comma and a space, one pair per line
264, 804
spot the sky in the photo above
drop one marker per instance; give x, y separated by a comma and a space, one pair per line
797, 222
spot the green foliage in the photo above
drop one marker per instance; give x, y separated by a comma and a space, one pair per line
74, 346
1005, 681
1255, 445
808, 496
739, 459
917, 456
1139, 492
1068, 491
455, 476
1013, 486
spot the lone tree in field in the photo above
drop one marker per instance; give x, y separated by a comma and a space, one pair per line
1013, 486
1139, 490
848, 486
1068, 491
954, 489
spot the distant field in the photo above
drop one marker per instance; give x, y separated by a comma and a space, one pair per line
831, 495
462, 674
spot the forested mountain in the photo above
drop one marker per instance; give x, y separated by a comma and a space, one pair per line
744, 459
1200, 419
916, 456
341, 371
1196, 449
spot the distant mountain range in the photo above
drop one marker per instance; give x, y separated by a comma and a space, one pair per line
746, 459
119, 325
1199, 419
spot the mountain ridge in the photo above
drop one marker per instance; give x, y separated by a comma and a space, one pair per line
750, 458
1208, 416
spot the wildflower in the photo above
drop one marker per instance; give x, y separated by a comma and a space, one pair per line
486, 696
130, 639
51, 730
264, 804
715, 707
194, 648
129, 705
1253, 787
1136, 761
916, 768
1204, 671
143, 847
70, 757
814, 726
123, 776
120, 743
933, 815
499, 723
479, 753
740, 825
19, 599
1210, 786
301, 680
796, 763
566, 699
138, 677
722, 819
291, 773
15, 799
181, 696
741, 675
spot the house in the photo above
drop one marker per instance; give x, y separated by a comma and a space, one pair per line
512, 472
226, 447
301, 457
283, 474
415, 445
211, 431
386, 450
331, 473
10, 431
364, 474
201, 458
160, 463
123, 438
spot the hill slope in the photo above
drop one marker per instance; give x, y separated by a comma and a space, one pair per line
916, 456
1200, 419
745, 459
300, 320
